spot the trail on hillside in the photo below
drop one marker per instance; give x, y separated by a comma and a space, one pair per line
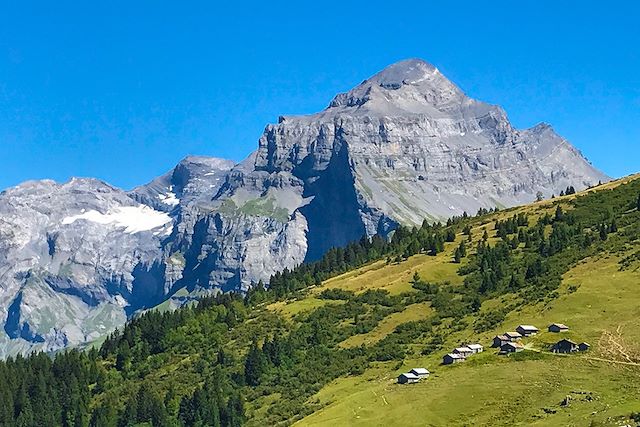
614, 348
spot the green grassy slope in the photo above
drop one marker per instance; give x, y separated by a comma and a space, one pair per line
597, 299
527, 388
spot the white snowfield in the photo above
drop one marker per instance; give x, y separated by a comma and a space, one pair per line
169, 199
133, 219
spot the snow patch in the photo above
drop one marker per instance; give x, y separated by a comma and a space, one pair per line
169, 199
120, 301
133, 219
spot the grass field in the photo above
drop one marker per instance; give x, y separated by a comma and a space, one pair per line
597, 301
395, 277
388, 324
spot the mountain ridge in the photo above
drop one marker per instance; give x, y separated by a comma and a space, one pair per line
404, 145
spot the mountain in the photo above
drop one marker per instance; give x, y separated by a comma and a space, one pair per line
333, 336
405, 145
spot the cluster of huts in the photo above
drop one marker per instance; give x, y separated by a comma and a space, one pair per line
509, 342
568, 346
460, 354
413, 376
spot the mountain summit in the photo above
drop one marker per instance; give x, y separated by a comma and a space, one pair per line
407, 87
405, 145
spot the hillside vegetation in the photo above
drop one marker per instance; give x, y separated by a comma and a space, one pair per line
324, 343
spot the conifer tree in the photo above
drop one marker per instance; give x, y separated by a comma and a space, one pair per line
254, 365
450, 235
463, 249
603, 232
457, 257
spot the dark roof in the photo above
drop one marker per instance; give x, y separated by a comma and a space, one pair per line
567, 341
513, 344
456, 356
409, 375
559, 325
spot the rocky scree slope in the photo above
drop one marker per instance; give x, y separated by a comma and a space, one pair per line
77, 259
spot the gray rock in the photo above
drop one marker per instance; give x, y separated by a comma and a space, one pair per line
77, 259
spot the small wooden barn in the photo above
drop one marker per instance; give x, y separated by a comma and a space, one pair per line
511, 347
476, 348
408, 378
420, 372
558, 327
465, 351
500, 340
527, 330
451, 358
564, 346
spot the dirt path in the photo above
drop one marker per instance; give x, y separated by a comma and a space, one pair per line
619, 362
598, 359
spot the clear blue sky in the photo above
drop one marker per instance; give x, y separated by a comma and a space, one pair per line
123, 90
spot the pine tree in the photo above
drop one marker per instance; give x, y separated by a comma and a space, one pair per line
461, 252
6, 403
105, 416
638, 203
515, 283
613, 228
123, 358
463, 249
457, 257
416, 280
254, 365
450, 235
233, 414
603, 232
129, 416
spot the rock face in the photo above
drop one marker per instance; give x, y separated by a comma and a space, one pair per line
77, 259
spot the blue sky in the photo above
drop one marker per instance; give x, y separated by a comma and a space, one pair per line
123, 90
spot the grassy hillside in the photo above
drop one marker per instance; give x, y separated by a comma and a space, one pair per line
598, 298
326, 342
527, 388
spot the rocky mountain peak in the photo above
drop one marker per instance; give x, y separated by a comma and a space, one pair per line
408, 87
408, 71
